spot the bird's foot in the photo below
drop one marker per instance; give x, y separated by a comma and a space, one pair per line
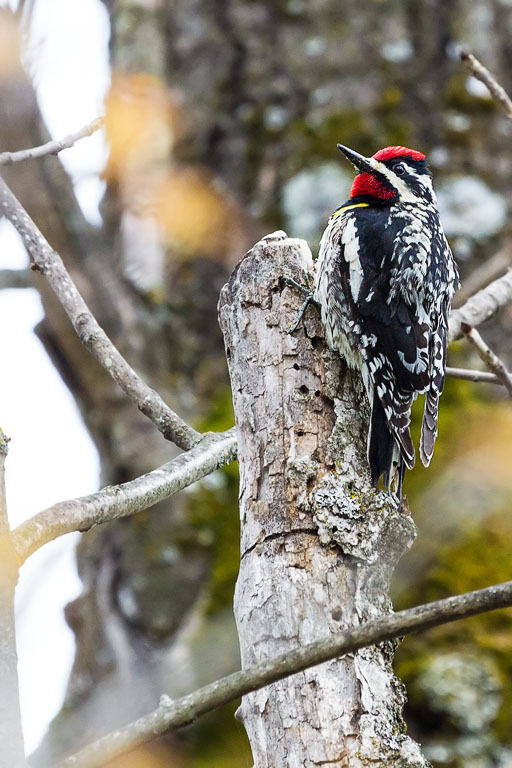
305, 290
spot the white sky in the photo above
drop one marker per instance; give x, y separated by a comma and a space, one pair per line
51, 457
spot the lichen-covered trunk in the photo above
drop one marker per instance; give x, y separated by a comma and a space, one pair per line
318, 544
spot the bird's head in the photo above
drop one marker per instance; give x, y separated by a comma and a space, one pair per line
393, 174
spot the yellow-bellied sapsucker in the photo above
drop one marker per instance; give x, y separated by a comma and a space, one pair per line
384, 281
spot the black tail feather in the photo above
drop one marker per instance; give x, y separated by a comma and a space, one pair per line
381, 444
384, 455
401, 473
429, 425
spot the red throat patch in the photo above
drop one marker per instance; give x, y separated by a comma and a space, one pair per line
368, 184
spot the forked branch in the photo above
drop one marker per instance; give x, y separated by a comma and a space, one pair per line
489, 357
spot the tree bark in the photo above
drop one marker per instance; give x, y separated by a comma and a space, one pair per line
318, 543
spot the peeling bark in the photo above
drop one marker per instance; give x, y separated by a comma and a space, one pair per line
318, 544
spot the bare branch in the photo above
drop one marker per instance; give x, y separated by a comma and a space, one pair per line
481, 306
171, 715
489, 357
15, 278
52, 147
483, 74
92, 336
470, 375
213, 452
484, 274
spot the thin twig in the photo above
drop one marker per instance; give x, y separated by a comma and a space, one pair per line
52, 147
483, 74
213, 452
15, 278
470, 375
489, 357
92, 336
482, 306
171, 715
484, 274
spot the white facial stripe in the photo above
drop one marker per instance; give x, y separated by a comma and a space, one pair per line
406, 194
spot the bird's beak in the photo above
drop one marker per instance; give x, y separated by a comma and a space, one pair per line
363, 164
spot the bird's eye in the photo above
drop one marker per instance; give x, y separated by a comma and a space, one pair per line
399, 169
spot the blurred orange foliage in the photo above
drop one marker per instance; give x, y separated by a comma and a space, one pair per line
485, 459
9, 45
193, 213
153, 756
138, 122
143, 122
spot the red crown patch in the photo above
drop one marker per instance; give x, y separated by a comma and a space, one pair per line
388, 153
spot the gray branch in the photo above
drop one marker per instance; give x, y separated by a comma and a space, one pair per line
171, 715
15, 278
469, 375
482, 306
489, 357
483, 74
52, 147
213, 452
92, 336
482, 275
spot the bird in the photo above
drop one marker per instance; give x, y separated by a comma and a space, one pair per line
384, 281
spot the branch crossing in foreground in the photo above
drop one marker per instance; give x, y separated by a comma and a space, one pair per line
171, 715
52, 147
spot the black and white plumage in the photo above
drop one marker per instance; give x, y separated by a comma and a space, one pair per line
385, 278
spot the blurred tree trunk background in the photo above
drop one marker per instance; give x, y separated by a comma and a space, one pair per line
223, 118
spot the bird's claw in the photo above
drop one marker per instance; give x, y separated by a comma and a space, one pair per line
306, 290
285, 280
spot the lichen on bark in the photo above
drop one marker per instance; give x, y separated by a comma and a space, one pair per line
318, 543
